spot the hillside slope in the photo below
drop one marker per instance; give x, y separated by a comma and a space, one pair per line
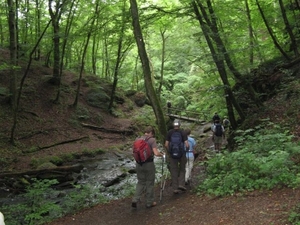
47, 129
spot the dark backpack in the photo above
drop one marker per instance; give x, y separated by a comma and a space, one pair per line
176, 146
218, 130
142, 151
226, 122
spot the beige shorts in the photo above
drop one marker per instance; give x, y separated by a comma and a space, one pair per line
218, 140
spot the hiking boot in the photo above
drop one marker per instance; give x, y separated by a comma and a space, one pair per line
182, 188
151, 205
133, 205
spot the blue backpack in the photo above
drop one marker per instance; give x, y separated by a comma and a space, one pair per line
176, 145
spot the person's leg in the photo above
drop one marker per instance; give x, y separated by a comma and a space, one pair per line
187, 170
181, 178
150, 179
191, 164
174, 173
141, 183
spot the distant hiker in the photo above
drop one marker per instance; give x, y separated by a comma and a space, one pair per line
175, 142
190, 155
218, 135
226, 124
169, 105
216, 117
146, 173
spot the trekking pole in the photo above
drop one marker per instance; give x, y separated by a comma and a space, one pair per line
188, 163
162, 181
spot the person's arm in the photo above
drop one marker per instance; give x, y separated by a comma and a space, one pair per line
185, 138
157, 153
167, 144
167, 141
186, 144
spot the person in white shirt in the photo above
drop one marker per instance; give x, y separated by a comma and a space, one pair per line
190, 156
218, 135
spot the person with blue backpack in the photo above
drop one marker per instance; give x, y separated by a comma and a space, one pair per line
176, 142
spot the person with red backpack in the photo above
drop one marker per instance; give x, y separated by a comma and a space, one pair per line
175, 143
144, 149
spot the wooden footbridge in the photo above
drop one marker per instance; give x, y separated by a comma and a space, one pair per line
191, 116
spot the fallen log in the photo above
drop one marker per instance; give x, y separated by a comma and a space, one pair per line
36, 173
56, 144
18, 181
125, 132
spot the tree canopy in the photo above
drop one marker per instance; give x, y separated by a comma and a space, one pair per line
202, 54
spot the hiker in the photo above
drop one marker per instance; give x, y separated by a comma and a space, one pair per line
226, 124
146, 173
169, 105
218, 135
190, 155
215, 117
175, 142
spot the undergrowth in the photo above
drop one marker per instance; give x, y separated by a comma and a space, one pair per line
42, 203
263, 160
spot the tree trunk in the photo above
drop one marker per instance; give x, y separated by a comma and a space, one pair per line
118, 61
55, 17
147, 71
64, 44
13, 63
229, 97
18, 98
294, 46
271, 32
163, 56
90, 32
251, 36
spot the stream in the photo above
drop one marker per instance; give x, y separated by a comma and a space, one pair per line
112, 176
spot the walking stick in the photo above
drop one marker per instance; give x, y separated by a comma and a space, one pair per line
163, 180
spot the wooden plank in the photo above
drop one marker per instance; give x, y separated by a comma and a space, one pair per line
185, 118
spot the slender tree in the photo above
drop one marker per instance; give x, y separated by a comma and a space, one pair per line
163, 59
251, 35
56, 8
85, 47
294, 45
152, 95
122, 49
68, 26
13, 62
271, 33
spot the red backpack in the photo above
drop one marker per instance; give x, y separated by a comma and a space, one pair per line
142, 151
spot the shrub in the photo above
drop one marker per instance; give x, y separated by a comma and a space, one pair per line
263, 160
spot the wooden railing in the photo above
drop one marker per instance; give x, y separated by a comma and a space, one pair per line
188, 115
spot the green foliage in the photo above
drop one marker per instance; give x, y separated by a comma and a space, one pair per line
82, 197
36, 207
264, 159
92, 152
39, 203
294, 217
